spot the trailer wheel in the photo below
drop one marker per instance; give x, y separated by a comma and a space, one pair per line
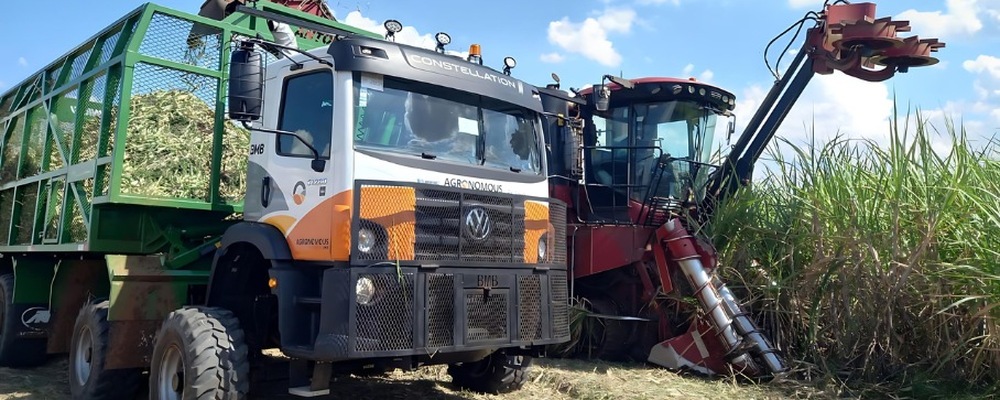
87, 377
200, 352
16, 352
497, 373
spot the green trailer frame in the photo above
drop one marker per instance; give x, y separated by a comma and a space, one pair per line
62, 186
77, 219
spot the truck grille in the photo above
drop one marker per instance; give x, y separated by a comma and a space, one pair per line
442, 231
560, 305
529, 298
452, 308
486, 316
557, 215
440, 310
386, 323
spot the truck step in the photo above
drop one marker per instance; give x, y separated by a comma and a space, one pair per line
304, 391
308, 301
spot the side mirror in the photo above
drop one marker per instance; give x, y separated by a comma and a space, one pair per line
318, 164
602, 97
732, 128
625, 83
246, 84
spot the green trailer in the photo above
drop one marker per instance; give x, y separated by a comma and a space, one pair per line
122, 189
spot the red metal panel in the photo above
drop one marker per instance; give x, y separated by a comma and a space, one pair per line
602, 248
314, 7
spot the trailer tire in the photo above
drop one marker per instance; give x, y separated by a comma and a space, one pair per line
87, 355
491, 375
201, 351
16, 352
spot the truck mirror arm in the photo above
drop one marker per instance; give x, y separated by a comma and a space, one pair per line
318, 164
270, 46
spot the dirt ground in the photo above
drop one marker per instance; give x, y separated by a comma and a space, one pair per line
550, 379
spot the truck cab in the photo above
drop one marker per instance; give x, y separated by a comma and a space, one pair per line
397, 208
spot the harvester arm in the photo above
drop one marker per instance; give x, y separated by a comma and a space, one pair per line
847, 38
737, 168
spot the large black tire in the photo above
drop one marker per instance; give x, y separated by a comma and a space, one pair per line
200, 353
608, 339
16, 352
87, 355
492, 375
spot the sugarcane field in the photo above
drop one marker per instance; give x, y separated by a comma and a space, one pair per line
614, 199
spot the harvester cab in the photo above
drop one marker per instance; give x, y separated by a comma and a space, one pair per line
634, 160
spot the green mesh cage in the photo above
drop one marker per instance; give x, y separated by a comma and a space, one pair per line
114, 144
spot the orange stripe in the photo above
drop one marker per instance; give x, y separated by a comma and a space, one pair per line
394, 208
536, 223
324, 233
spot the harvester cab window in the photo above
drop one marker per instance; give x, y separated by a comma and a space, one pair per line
307, 110
681, 129
610, 158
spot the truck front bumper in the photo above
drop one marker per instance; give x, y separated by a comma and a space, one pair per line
413, 311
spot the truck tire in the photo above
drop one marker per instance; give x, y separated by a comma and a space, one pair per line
16, 352
87, 354
492, 375
200, 353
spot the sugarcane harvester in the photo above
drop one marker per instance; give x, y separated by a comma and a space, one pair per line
632, 160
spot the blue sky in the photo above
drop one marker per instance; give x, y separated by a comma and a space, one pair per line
719, 41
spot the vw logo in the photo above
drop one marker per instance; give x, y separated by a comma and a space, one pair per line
477, 223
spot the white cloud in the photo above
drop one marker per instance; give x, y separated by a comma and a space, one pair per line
805, 3
705, 76
619, 21
986, 86
22, 61
960, 18
552, 58
984, 64
408, 35
656, 2
590, 37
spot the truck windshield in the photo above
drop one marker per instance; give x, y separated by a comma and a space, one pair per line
401, 116
631, 139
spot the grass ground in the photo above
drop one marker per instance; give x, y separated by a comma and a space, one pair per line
554, 379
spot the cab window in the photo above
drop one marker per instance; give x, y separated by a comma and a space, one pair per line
307, 110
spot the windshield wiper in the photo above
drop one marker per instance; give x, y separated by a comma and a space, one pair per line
428, 156
515, 169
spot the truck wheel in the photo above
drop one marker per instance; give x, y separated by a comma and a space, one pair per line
15, 352
200, 352
87, 377
494, 374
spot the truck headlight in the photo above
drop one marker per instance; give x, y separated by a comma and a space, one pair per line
366, 240
542, 248
364, 290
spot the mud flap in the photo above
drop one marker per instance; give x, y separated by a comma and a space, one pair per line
33, 320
